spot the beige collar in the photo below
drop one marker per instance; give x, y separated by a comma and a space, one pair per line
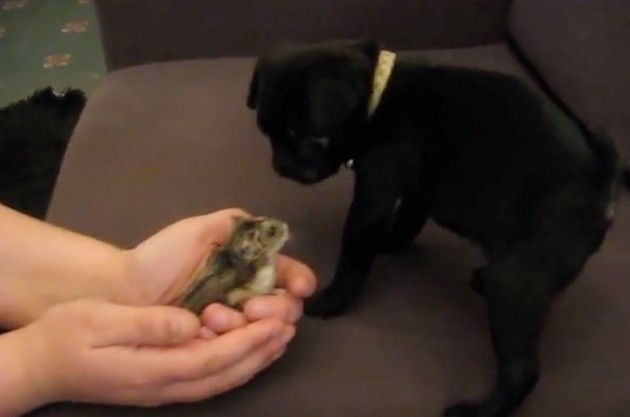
384, 67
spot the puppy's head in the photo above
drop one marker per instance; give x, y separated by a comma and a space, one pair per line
311, 103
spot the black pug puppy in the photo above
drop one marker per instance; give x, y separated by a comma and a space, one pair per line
479, 152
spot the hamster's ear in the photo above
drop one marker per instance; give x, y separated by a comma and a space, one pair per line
237, 221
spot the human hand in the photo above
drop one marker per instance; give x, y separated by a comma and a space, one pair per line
95, 351
160, 267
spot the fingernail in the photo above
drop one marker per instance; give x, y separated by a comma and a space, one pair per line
177, 326
182, 326
219, 319
216, 317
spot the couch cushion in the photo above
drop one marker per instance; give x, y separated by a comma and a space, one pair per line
582, 50
164, 141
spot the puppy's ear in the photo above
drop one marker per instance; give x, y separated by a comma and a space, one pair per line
369, 47
332, 99
335, 90
252, 96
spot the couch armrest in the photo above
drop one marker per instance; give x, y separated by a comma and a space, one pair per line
142, 31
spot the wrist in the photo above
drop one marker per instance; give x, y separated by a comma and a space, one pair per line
97, 271
42, 265
22, 381
122, 287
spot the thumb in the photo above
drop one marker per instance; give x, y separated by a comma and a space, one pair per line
146, 326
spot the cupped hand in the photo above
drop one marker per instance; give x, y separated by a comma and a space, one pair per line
143, 356
159, 268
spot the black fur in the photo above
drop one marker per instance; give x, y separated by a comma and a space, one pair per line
479, 152
34, 134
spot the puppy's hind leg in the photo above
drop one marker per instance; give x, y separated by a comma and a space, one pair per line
519, 290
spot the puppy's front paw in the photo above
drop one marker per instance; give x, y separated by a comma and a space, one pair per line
327, 304
463, 409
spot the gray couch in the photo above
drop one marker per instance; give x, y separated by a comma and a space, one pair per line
167, 135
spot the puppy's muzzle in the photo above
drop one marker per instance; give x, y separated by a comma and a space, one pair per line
300, 174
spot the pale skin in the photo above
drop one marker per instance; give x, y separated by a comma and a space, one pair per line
90, 322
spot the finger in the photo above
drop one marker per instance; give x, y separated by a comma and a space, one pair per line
295, 276
232, 377
142, 326
202, 358
206, 333
221, 319
283, 307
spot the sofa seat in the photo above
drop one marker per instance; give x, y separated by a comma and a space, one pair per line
162, 141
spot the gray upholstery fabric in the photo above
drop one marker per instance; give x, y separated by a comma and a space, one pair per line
141, 31
582, 49
163, 141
